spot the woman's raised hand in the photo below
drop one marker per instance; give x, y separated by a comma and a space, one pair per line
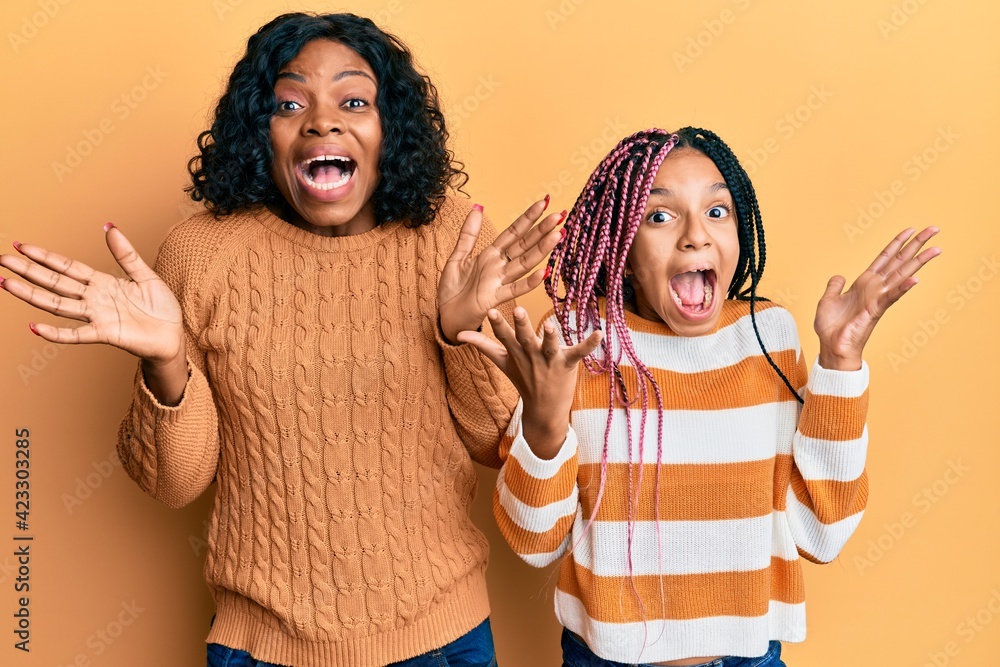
844, 321
472, 284
542, 370
138, 314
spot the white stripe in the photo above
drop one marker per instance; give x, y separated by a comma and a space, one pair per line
543, 560
660, 640
782, 543
845, 384
542, 468
735, 435
535, 519
685, 547
837, 460
823, 541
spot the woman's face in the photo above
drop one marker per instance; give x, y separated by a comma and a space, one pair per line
326, 138
686, 248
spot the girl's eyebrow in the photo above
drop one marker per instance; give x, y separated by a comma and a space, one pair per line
667, 192
337, 77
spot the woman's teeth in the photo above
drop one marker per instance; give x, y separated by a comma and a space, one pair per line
330, 162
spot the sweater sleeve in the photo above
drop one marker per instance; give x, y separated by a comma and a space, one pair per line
480, 396
172, 452
829, 485
535, 501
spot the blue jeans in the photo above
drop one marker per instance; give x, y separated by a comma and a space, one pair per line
473, 649
576, 653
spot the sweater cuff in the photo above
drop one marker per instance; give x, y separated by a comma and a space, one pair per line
151, 407
844, 384
543, 468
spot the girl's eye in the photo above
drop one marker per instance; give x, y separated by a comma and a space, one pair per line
718, 212
356, 103
659, 217
289, 105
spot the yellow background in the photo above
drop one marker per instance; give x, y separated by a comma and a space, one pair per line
830, 105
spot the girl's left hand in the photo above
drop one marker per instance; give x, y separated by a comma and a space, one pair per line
471, 285
844, 321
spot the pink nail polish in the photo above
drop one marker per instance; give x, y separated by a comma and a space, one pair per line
31, 325
477, 207
562, 216
548, 272
108, 226
17, 245
562, 234
546, 202
2, 279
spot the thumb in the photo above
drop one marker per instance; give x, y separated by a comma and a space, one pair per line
834, 287
126, 255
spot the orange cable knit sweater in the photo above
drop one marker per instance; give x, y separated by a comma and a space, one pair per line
324, 402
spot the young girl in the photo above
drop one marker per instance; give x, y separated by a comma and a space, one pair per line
300, 347
679, 479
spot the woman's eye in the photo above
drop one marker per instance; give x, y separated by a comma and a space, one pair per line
660, 216
718, 212
289, 105
355, 103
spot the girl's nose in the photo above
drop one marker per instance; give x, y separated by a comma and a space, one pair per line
694, 234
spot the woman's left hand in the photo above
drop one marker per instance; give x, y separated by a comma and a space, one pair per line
844, 321
471, 285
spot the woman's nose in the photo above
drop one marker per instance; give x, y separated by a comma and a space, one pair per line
322, 121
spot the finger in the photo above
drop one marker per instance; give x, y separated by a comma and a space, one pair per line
835, 286
584, 348
531, 257
884, 257
80, 335
521, 287
468, 235
912, 266
52, 260
908, 251
523, 223
490, 348
534, 236
126, 255
43, 277
550, 341
526, 335
41, 298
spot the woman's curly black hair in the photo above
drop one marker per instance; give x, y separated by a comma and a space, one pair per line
233, 171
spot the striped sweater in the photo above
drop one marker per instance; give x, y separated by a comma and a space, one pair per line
749, 482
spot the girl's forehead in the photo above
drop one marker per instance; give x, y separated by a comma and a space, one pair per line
687, 166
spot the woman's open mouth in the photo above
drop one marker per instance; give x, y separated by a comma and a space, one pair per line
694, 292
327, 172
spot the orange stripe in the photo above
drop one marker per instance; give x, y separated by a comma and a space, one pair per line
526, 542
686, 596
827, 417
506, 442
539, 493
747, 383
688, 492
829, 500
732, 311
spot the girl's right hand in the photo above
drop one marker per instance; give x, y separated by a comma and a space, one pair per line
138, 314
542, 371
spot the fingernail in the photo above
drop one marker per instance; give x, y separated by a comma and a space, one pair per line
546, 202
562, 234
108, 226
562, 216
477, 207
2, 281
548, 272
31, 325
17, 246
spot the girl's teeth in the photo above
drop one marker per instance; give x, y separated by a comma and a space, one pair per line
328, 186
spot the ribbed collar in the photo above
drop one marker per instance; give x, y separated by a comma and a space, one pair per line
301, 237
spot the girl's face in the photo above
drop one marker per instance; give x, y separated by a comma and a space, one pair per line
684, 254
326, 138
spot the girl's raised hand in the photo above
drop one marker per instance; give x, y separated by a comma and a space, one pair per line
542, 370
472, 284
138, 314
844, 321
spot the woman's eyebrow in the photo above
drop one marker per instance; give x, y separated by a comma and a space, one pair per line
337, 77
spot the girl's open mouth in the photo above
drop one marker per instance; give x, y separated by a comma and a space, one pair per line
694, 292
327, 172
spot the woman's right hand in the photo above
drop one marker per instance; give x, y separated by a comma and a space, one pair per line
542, 371
138, 314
